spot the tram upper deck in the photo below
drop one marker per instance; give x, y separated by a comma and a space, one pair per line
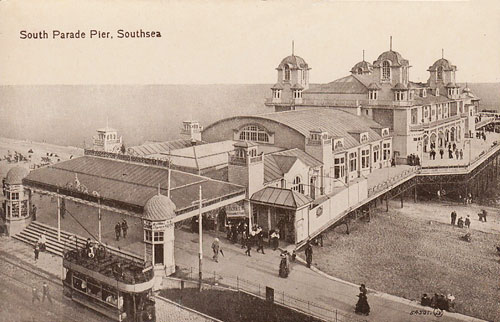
122, 273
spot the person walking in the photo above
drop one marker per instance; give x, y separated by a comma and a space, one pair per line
248, 244
117, 230
362, 306
41, 242
260, 242
309, 254
453, 217
34, 293
124, 227
37, 251
215, 249
45, 293
441, 152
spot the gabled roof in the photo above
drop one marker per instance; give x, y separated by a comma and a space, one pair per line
285, 162
278, 197
302, 156
351, 84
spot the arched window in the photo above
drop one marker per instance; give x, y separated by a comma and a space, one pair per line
297, 185
440, 73
287, 73
386, 71
254, 133
359, 71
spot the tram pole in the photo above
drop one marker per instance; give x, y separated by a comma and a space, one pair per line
58, 219
99, 214
200, 231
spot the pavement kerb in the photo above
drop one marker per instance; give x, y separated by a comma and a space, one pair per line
389, 296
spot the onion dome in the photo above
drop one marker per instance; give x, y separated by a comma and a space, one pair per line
393, 56
277, 86
363, 67
374, 86
16, 175
400, 87
297, 86
159, 208
444, 63
293, 62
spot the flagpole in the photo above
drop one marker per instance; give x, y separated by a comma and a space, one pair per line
58, 218
99, 212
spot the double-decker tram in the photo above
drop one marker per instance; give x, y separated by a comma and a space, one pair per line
116, 286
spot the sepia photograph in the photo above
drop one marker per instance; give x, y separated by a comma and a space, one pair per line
250, 161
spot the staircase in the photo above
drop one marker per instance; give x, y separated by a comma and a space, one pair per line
31, 234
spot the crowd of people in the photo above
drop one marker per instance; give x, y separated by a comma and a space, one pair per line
413, 160
445, 303
250, 237
452, 150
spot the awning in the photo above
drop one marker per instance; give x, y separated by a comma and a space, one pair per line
282, 198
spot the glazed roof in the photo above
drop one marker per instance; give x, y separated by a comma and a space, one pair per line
281, 198
158, 208
16, 175
364, 65
393, 56
160, 147
445, 63
293, 62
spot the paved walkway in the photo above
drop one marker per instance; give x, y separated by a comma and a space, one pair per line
302, 283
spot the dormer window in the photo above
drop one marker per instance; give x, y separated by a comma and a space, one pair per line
440, 73
277, 93
287, 73
363, 137
372, 94
386, 71
400, 96
385, 132
338, 144
297, 94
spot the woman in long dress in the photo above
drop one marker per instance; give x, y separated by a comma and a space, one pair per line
284, 265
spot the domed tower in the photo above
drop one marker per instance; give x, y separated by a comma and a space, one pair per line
158, 225
362, 68
442, 76
391, 68
293, 78
16, 205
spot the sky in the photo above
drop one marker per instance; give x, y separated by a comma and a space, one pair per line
241, 42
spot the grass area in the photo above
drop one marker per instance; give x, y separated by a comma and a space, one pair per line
232, 306
407, 257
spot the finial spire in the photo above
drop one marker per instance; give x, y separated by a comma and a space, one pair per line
390, 45
363, 55
293, 48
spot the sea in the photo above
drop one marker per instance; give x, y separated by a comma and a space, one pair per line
70, 114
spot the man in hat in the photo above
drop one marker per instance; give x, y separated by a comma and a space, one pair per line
467, 221
453, 217
309, 254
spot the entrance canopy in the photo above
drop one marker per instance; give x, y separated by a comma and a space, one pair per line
282, 198
126, 187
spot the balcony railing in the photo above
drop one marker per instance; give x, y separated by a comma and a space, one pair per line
238, 160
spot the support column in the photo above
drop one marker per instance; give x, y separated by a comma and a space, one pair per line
58, 219
402, 200
415, 196
387, 202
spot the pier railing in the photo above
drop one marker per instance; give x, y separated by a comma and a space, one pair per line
391, 180
255, 288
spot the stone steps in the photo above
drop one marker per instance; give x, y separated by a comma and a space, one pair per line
31, 234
